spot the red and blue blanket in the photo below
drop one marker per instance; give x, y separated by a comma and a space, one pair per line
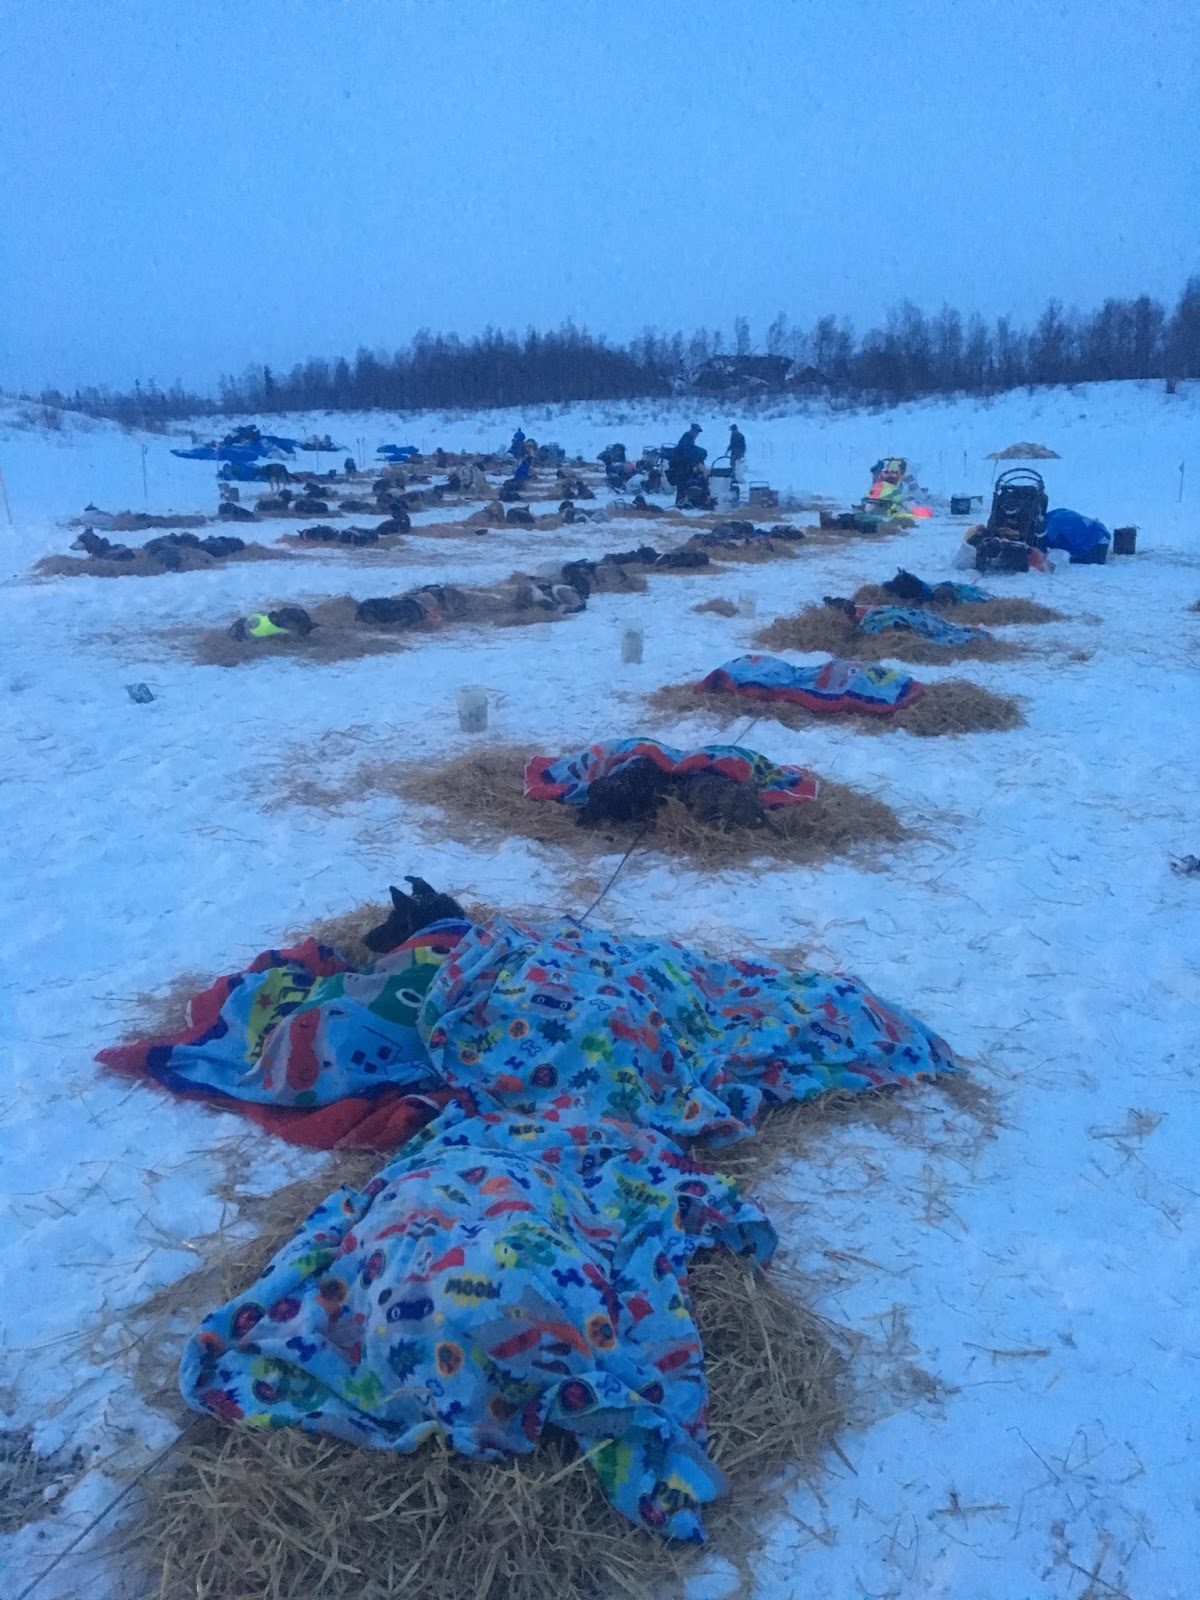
833, 687
307, 1047
568, 778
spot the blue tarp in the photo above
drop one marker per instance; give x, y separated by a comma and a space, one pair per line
243, 454
1073, 532
398, 452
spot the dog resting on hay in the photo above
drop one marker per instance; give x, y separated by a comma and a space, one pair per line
172, 552
835, 629
341, 628
967, 601
628, 780
503, 1276
479, 797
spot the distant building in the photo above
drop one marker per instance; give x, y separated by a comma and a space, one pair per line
743, 375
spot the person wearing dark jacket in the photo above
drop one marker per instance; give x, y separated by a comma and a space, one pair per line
685, 458
737, 447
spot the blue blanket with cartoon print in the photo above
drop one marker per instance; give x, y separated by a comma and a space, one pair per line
523, 1261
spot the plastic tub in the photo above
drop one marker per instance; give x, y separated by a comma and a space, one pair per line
472, 708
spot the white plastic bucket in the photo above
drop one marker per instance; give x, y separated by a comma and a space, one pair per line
747, 604
632, 638
472, 708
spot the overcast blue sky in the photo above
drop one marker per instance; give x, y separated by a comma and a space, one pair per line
190, 185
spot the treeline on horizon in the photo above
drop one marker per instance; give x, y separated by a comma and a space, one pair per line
912, 355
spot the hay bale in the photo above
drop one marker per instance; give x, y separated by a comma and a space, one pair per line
829, 631
950, 706
998, 613
721, 607
481, 799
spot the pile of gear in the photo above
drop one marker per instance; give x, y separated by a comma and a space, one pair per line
1021, 528
1012, 538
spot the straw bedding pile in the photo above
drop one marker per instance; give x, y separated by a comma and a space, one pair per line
1000, 612
721, 608
748, 554
480, 795
950, 706
831, 632
148, 566
338, 637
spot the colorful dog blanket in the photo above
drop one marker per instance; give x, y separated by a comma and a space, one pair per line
568, 778
835, 686
523, 1262
912, 619
307, 1047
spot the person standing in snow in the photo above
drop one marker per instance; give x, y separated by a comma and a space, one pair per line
737, 451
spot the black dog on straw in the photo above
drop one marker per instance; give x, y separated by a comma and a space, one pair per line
409, 914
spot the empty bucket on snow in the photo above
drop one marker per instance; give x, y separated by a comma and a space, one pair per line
747, 604
472, 708
1124, 541
960, 505
632, 638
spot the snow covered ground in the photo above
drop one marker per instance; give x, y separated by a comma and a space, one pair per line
1029, 1355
